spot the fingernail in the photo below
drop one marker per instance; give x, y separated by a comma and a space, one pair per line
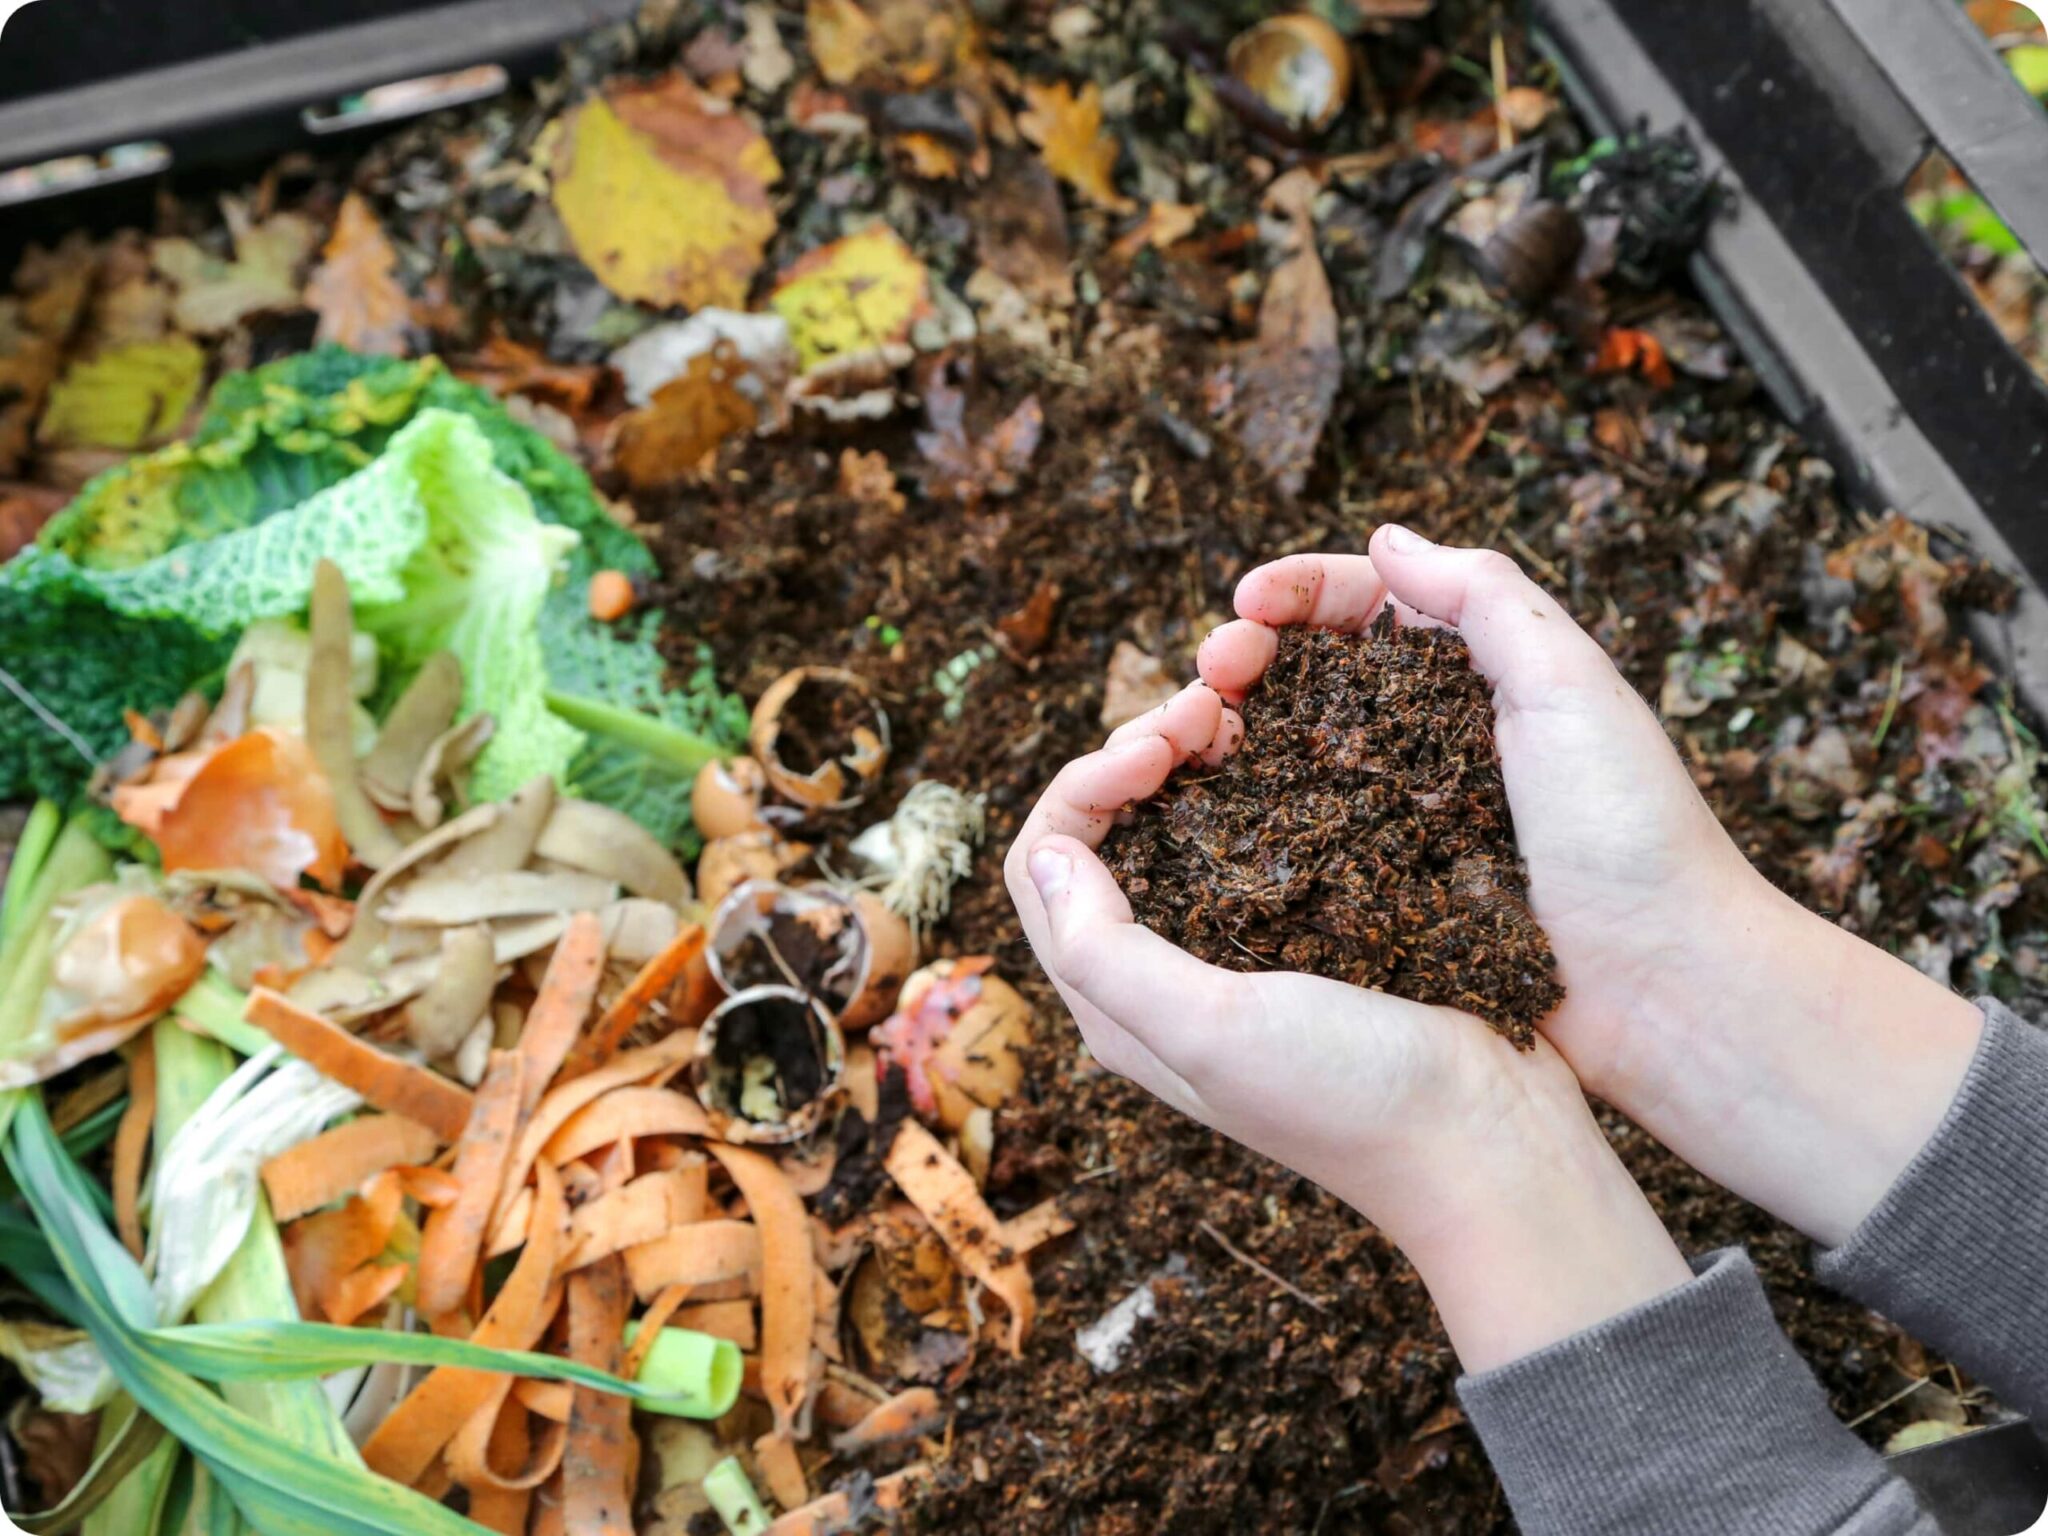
1049, 871
1402, 542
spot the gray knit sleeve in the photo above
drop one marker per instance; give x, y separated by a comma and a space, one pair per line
1956, 1250
1687, 1416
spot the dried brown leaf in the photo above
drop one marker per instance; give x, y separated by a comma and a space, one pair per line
355, 289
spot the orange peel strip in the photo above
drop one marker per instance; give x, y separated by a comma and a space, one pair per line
560, 1104
650, 982
623, 1114
453, 1240
323, 1168
789, 1298
602, 1461
945, 1194
414, 1433
567, 991
705, 1253
632, 1214
131, 1142
833, 1513
395, 1086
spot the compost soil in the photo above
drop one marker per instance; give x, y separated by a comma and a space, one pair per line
1239, 1406
1361, 832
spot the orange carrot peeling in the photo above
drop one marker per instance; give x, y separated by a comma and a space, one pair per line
834, 1513
602, 1460
653, 981
652, 1321
946, 1194
703, 1254
414, 1433
453, 1241
911, 1412
561, 1103
625, 1113
320, 1170
634, 1213
362, 1290
131, 1141
386, 1082
788, 1297
567, 990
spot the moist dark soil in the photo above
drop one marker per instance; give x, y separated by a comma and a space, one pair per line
1361, 833
1240, 1408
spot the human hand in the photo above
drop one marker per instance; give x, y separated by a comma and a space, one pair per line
1782, 1056
1484, 1164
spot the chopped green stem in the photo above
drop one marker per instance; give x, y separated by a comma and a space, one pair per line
30, 849
698, 1376
732, 1494
681, 750
213, 1007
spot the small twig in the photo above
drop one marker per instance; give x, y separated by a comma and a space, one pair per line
1257, 1268
1504, 131
1523, 548
1254, 954
1891, 1402
1891, 703
1106, 1171
41, 711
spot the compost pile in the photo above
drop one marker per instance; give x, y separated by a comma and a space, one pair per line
780, 438
1361, 832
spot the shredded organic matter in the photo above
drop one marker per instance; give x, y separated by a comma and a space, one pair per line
1361, 832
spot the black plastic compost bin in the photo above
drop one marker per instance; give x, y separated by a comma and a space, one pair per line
1811, 112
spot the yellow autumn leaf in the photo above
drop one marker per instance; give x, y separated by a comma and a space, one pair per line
127, 397
355, 289
215, 295
664, 194
856, 295
845, 42
1068, 132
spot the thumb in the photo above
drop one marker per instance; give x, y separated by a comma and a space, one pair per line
1166, 999
1521, 639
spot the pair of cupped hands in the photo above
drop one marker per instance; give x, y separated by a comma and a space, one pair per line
1792, 1062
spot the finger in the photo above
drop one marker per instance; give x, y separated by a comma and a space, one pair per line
1164, 998
1229, 737
1188, 721
1520, 637
1327, 591
1236, 655
1084, 798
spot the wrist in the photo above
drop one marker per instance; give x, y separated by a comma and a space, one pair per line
1795, 1063
1527, 1229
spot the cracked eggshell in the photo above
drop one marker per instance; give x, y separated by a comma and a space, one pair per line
842, 779
726, 798
892, 952
718, 1078
729, 862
